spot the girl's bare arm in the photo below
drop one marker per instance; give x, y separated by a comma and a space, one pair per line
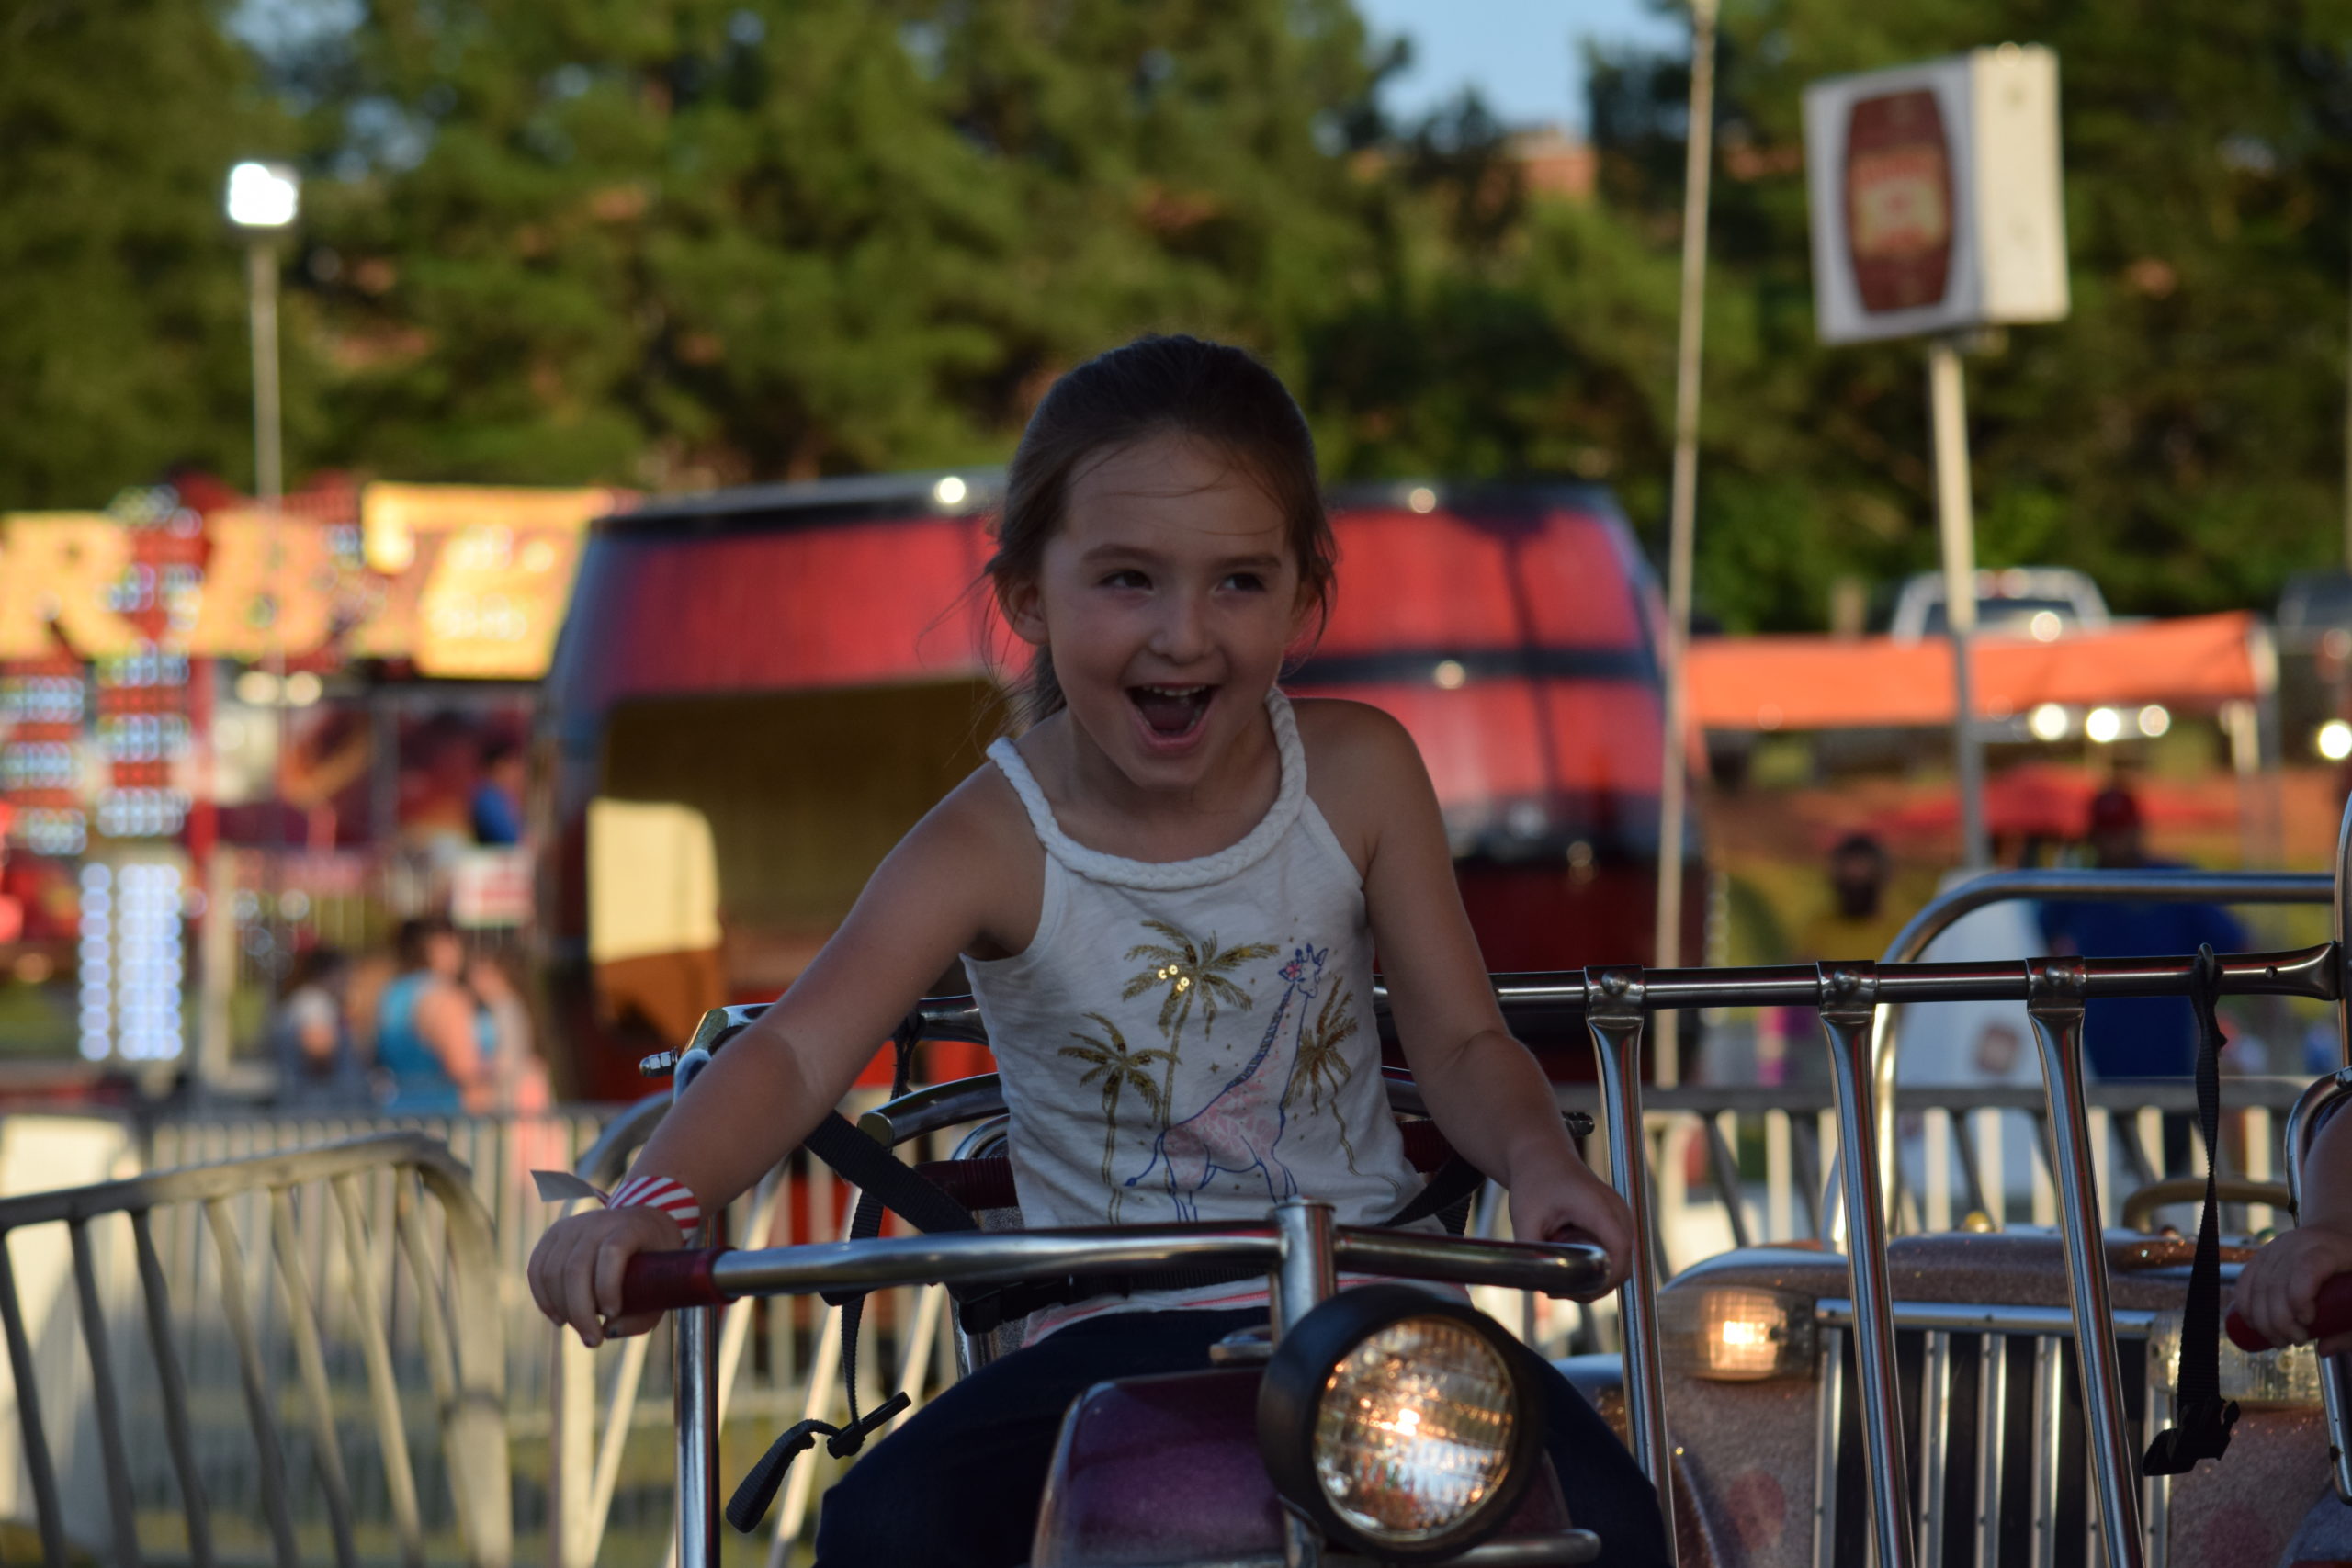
1485, 1090
956, 879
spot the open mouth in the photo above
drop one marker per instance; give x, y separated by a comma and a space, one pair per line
1171, 712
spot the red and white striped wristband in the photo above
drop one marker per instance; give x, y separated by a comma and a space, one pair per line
673, 1198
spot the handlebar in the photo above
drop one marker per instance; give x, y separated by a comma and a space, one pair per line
660, 1282
2332, 1315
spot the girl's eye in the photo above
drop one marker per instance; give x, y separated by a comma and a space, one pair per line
1248, 582
1127, 577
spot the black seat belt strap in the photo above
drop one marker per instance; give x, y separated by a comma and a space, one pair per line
2202, 1418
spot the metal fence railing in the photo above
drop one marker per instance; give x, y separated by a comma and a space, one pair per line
289, 1358
1735, 1166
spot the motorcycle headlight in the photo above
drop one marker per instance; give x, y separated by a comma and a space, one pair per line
1400, 1422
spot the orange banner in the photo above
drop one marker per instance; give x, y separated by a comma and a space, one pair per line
1819, 682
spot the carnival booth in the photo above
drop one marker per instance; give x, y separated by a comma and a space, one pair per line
228, 735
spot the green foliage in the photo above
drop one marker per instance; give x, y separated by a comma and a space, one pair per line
122, 317
670, 243
2181, 436
682, 241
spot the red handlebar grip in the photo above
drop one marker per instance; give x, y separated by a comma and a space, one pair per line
2330, 1314
662, 1281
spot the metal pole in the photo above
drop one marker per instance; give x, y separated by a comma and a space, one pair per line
2055, 1005
1304, 1277
1613, 1015
269, 489
1849, 1008
1948, 411
1698, 163
696, 1394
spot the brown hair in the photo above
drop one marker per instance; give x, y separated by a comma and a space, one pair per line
1157, 386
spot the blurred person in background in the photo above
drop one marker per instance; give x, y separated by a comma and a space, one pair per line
432, 1038
318, 1064
1856, 924
497, 803
2135, 1037
518, 1078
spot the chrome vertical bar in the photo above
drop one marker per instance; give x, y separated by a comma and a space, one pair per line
695, 1331
1304, 1277
1828, 1408
1613, 1014
1848, 1005
1992, 1444
2335, 1371
2048, 1427
2055, 1003
1934, 1446
2156, 1490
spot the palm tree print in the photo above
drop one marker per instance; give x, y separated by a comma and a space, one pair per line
1189, 969
1119, 1068
1320, 1066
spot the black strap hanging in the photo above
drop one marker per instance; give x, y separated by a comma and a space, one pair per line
2201, 1417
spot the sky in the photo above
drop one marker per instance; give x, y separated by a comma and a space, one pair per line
1525, 56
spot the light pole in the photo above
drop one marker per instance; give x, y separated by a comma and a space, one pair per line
261, 201
1698, 161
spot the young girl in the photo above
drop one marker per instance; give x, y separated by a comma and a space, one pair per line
1167, 894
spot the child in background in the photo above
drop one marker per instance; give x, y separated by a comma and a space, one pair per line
1167, 893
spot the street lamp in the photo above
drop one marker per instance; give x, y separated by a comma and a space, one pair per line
261, 201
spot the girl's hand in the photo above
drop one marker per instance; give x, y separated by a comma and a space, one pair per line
1571, 1205
2277, 1288
575, 1270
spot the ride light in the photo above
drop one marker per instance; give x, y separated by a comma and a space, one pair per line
1401, 1424
2102, 724
2285, 1376
1737, 1332
2154, 719
2047, 722
2335, 740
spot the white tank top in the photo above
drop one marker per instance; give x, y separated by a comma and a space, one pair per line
1194, 1039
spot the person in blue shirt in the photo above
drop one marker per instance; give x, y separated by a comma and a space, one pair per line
2135, 1037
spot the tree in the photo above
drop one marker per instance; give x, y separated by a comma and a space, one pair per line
689, 241
122, 320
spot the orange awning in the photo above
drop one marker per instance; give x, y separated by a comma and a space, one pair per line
1820, 683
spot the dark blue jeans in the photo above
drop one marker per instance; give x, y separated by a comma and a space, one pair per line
958, 1486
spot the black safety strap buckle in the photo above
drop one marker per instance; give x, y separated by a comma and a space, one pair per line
2201, 1430
757, 1490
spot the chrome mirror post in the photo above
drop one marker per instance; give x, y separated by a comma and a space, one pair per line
1848, 1011
696, 1388
2055, 995
2335, 1371
1613, 1016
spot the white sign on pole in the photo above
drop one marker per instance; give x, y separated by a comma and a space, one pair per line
1936, 196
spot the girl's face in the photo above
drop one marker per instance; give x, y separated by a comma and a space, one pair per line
1168, 598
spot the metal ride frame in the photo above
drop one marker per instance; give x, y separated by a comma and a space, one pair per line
1855, 1001
462, 1334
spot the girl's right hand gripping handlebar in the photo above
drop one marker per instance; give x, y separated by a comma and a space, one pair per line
2332, 1314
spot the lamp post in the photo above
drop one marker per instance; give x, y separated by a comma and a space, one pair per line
261, 201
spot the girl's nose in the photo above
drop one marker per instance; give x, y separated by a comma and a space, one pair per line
1181, 632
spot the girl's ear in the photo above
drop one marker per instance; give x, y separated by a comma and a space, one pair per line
1024, 610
